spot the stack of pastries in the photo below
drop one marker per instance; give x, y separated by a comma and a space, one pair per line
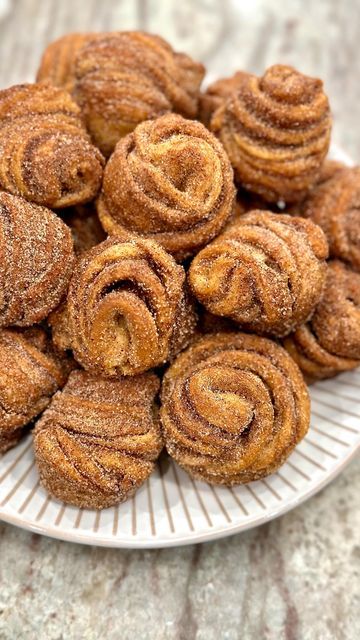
177, 265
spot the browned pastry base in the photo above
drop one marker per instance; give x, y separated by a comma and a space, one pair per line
266, 272
276, 131
30, 373
335, 206
234, 406
170, 180
127, 309
330, 343
36, 263
99, 439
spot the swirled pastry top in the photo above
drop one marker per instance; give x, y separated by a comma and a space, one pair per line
266, 272
37, 259
234, 406
170, 180
335, 206
99, 439
276, 131
58, 60
30, 373
330, 342
45, 153
122, 78
127, 309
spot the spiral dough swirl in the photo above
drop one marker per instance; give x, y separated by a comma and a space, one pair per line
234, 406
276, 131
127, 309
99, 439
57, 65
169, 180
124, 78
330, 342
335, 206
266, 272
37, 259
45, 152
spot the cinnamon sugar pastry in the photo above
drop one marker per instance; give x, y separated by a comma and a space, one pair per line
126, 310
217, 93
170, 180
85, 227
45, 152
335, 206
234, 406
276, 131
99, 439
36, 261
125, 78
30, 373
267, 272
58, 60
330, 342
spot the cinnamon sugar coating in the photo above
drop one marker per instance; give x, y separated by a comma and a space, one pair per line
217, 93
45, 153
85, 227
125, 78
36, 261
330, 342
170, 180
30, 373
234, 406
127, 309
335, 206
99, 439
58, 60
267, 272
276, 131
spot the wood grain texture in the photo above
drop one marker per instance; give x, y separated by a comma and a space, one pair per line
296, 578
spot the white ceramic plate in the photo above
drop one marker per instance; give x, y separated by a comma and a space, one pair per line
172, 509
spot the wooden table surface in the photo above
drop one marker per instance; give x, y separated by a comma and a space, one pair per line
296, 578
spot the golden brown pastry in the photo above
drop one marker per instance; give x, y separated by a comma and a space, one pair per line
276, 131
335, 206
30, 373
36, 261
127, 309
217, 93
125, 78
169, 180
58, 60
45, 152
267, 272
85, 227
330, 342
234, 406
99, 439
